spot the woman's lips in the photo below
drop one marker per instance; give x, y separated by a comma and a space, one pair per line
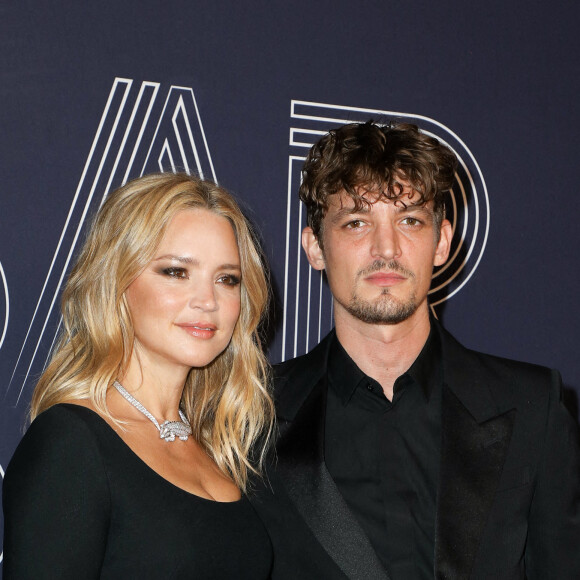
199, 329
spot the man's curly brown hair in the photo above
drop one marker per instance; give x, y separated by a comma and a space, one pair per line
382, 160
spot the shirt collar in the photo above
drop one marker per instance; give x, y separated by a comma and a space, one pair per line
345, 376
427, 370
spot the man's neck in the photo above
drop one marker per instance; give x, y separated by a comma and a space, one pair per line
383, 351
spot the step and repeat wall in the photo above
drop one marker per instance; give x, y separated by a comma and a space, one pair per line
93, 94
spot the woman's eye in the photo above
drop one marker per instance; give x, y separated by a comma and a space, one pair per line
176, 273
229, 280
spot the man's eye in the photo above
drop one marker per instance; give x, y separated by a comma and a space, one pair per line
411, 221
354, 224
176, 273
229, 280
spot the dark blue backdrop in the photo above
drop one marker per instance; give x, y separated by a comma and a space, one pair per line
93, 92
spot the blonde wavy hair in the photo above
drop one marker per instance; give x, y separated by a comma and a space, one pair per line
227, 402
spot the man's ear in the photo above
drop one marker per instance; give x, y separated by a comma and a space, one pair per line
312, 249
444, 244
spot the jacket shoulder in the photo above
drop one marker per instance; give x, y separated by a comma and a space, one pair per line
283, 369
488, 384
294, 379
312, 361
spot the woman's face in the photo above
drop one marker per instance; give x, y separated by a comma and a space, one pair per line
186, 302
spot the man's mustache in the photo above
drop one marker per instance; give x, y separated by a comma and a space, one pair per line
383, 266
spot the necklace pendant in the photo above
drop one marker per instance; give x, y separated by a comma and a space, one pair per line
169, 430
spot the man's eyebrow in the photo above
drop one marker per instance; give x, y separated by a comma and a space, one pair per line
414, 207
348, 211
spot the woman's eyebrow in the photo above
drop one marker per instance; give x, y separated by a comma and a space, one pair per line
181, 259
195, 262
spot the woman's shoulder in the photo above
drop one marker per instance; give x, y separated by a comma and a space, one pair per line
66, 420
56, 478
63, 434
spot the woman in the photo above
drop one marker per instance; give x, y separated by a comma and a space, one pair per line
152, 413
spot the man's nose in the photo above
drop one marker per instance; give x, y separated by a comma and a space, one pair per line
385, 242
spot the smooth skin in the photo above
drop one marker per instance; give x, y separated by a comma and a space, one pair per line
184, 307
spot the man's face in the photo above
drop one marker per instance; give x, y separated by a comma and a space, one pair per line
378, 260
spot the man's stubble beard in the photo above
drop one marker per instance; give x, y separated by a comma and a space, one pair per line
386, 309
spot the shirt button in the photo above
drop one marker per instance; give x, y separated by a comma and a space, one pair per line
370, 387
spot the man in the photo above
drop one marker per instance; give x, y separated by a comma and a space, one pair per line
402, 454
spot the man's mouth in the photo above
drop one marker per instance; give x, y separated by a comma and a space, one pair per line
385, 278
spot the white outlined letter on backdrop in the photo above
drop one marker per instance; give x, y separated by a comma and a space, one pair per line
307, 300
138, 133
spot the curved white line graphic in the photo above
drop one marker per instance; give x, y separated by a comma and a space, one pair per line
452, 258
485, 195
6, 316
2, 474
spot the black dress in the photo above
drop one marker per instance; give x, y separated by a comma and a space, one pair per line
78, 503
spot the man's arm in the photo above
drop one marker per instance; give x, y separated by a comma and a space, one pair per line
553, 545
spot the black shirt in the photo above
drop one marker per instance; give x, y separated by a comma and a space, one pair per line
78, 503
384, 456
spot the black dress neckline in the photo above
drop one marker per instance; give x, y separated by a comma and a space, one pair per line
143, 464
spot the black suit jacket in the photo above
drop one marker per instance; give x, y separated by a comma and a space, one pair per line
508, 503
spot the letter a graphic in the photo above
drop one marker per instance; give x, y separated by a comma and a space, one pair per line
138, 133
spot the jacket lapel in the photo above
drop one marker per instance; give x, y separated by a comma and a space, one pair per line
476, 430
307, 481
476, 433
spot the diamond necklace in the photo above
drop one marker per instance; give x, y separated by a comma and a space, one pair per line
168, 430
